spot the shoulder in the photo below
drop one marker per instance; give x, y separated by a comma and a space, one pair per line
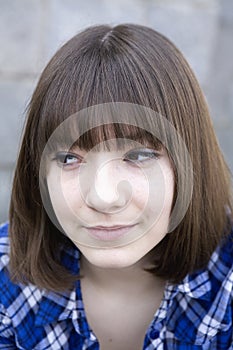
10, 292
220, 272
30, 317
18, 302
217, 278
208, 294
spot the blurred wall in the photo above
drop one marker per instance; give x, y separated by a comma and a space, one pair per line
32, 30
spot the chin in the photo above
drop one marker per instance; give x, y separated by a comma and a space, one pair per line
109, 258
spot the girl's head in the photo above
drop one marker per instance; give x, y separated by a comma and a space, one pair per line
127, 65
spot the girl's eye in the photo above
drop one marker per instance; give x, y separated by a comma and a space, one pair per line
141, 155
68, 160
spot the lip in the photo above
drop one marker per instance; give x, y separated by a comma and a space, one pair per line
109, 233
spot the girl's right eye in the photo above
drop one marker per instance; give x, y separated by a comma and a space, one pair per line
68, 160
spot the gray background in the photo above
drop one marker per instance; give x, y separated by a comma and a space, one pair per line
32, 30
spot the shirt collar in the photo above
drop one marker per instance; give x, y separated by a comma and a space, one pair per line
196, 286
56, 306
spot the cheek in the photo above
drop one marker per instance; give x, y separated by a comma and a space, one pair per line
140, 190
157, 192
64, 194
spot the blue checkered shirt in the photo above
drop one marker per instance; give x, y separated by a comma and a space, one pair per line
196, 314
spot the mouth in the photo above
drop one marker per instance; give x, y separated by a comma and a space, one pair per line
109, 233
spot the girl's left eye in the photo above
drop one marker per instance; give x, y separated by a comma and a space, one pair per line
68, 160
141, 155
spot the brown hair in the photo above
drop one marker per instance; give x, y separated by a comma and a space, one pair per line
126, 63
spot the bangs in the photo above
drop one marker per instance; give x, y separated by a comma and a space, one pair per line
110, 126
116, 136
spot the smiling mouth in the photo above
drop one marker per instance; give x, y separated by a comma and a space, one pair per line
109, 233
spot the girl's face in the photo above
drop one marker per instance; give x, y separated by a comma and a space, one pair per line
114, 205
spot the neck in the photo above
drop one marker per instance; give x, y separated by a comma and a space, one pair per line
122, 280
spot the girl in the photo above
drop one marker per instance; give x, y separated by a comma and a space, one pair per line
120, 227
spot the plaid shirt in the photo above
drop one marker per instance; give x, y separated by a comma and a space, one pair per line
196, 314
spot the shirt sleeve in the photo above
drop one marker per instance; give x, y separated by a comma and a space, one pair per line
7, 337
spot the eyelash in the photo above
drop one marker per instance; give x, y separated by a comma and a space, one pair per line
152, 155
62, 156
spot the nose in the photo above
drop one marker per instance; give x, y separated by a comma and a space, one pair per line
107, 190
